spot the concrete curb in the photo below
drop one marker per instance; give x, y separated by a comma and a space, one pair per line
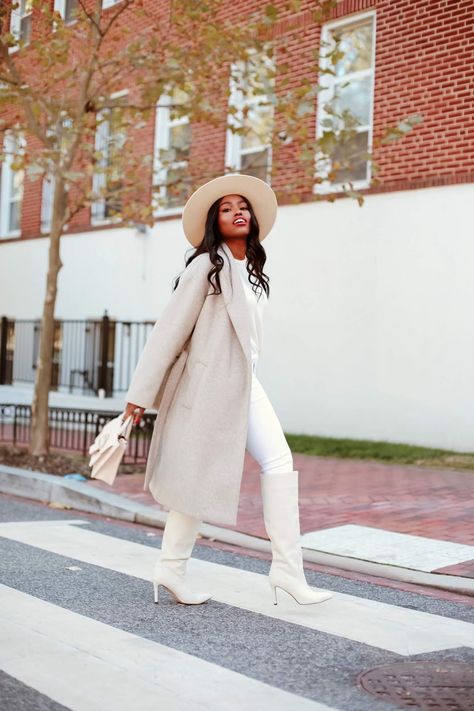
80, 496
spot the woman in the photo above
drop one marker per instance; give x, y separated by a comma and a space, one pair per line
198, 369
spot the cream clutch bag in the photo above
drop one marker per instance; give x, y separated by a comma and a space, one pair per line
108, 448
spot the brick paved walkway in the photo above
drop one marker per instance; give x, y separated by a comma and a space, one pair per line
434, 503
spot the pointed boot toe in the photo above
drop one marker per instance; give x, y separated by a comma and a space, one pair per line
176, 585
300, 591
176, 547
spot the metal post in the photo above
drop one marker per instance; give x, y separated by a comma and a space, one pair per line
3, 350
104, 352
14, 424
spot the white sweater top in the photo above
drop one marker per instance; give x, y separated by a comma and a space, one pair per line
257, 303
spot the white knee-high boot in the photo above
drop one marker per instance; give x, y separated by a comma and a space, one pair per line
177, 544
282, 523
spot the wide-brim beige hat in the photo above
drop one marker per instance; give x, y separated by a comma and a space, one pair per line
258, 192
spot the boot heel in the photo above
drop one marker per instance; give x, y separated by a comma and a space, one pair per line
275, 601
282, 523
178, 540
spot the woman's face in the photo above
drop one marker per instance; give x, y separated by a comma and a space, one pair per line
233, 217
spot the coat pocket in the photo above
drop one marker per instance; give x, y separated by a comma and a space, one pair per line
195, 374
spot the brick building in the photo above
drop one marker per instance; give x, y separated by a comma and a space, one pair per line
370, 317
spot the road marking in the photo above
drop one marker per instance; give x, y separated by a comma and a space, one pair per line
389, 627
90, 666
381, 546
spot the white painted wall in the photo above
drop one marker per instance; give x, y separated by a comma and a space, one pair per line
369, 330
128, 274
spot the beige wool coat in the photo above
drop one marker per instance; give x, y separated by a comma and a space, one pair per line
196, 370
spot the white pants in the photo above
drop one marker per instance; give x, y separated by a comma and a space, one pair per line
266, 442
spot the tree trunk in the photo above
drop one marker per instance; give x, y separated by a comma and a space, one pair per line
39, 439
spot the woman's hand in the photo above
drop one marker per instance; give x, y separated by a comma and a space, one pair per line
135, 410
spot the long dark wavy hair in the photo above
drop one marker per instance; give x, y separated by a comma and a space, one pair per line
255, 253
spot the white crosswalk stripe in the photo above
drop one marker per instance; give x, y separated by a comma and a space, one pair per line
388, 627
87, 665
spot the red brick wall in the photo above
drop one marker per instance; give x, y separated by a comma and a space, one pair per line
423, 64
424, 52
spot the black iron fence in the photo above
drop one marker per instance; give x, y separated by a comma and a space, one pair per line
88, 356
73, 430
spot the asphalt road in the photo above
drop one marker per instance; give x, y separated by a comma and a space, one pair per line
79, 630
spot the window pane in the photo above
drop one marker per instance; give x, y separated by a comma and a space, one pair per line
110, 139
116, 134
348, 160
98, 209
115, 140
102, 140
113, 203
356, 43
14, 216
114, 186
16, 184
178, 96
260, 80
259, 122
70, 8
356, 98
180, 141
255, 164
177, 190
25, 28
46, 203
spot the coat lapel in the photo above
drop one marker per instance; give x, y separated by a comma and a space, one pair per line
235, 300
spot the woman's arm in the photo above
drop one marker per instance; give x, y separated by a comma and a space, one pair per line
135, 411
169, 334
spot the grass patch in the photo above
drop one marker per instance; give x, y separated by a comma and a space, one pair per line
390, 452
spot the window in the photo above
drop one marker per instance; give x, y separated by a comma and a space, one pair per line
107, 179
47, 195
62, 138
20, 21
252, 101
346, 101
66, 9
172, 149
11, 190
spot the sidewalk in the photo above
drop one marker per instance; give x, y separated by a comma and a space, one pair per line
413, 503
421, 519
404, 523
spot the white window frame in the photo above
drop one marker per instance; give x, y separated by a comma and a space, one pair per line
47, 192
327, 83
98, 179
47, 195
109, 3
234, 142
6, 195
163, 124
60, 6
16, 18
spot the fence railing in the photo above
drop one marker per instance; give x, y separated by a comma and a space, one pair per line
88, 355
73, 430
